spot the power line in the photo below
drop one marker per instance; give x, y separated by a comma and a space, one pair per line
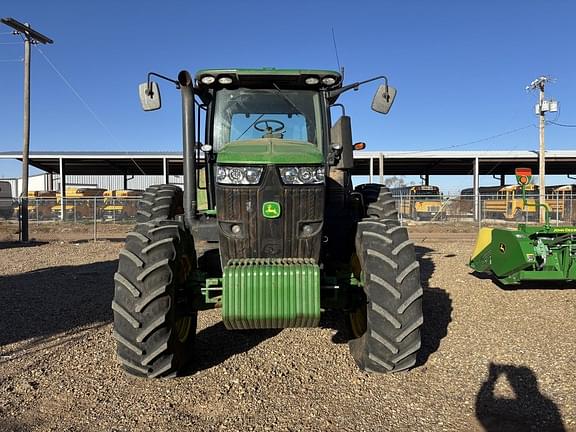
508, 132
560, 124
81, 99
20, 60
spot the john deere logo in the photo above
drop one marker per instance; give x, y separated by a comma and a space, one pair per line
502, 247
271, 210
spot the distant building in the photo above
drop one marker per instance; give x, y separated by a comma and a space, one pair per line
41, 182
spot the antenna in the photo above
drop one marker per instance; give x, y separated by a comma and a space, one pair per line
336, 50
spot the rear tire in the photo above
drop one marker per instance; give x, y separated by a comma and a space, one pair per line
388, 338
378, 202
160, 202
153, 324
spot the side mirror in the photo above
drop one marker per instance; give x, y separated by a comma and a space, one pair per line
341, 146
149, 97
383, 99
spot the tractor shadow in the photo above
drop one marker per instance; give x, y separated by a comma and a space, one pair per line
41, 303
216, 344
436, 308
528, 410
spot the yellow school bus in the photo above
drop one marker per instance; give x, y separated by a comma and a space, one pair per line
420, 202
79, 203
505, 202
560, 199
120, 204
40, 204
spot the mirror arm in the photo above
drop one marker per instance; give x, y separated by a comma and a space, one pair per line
341, 106
149, 91
333, 95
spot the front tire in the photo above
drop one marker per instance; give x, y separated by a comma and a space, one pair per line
154, 325
387, 326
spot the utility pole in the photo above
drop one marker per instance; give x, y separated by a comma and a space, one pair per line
30, 37
541, 108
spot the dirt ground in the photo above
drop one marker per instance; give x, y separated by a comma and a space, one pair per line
493, 359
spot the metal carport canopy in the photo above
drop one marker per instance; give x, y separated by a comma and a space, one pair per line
103, 163
394, 162
461, 162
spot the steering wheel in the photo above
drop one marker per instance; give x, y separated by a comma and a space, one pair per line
269, 129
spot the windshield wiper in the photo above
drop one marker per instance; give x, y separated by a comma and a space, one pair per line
248, 128
287, 99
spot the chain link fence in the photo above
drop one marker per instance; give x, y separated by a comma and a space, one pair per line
501, 208
100, 218
69, 219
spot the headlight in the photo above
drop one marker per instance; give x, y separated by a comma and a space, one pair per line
302, 175
208, 79
225, 80
239, 175
329, 81
312, 80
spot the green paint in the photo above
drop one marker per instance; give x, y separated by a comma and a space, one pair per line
270, 151
268, 72
563, 230
537, 253
271, 210
271, 293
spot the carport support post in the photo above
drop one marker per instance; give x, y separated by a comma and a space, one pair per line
476, 190
381, 167
165, 172
62, 187
371, 169
125, 181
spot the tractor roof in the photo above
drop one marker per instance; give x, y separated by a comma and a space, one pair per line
267, 77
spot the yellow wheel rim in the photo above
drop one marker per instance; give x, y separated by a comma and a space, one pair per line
358, 319
358, 322
182, 328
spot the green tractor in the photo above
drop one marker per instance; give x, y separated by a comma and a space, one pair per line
284, 235
529, 253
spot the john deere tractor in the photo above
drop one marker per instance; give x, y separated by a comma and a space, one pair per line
529, 253
290, 235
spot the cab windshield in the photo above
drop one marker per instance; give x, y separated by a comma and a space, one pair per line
256, 114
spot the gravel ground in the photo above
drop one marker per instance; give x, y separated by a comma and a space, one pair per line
493, 359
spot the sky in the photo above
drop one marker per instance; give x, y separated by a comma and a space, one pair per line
460, 68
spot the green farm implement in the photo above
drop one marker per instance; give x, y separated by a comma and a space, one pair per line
529, 253
281, 235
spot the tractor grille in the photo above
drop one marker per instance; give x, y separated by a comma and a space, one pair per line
259, 237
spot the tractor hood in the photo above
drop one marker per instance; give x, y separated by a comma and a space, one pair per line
270, 151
